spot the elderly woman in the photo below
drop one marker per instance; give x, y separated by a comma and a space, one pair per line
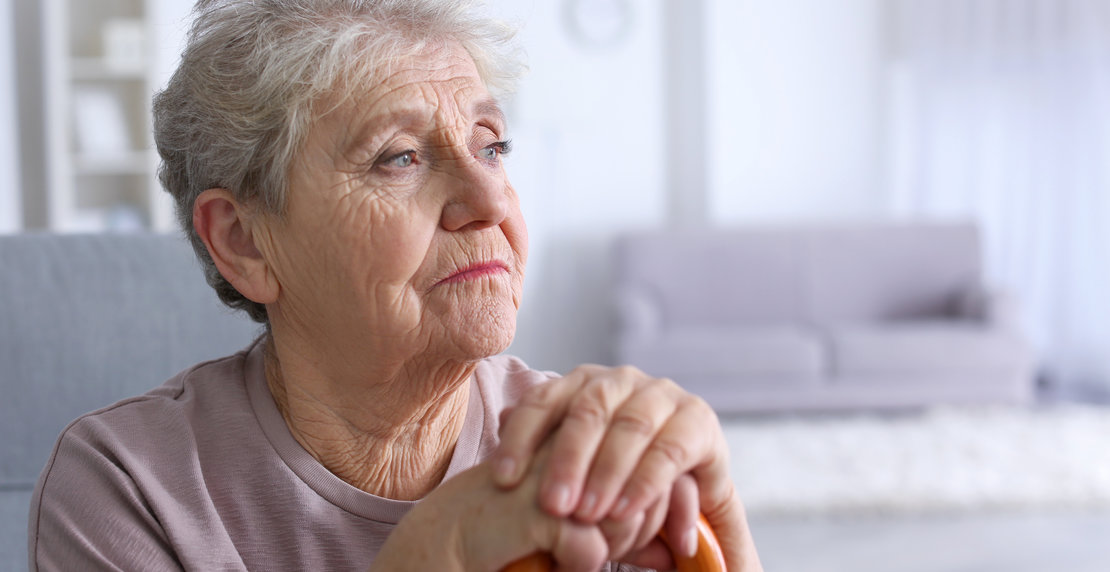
337, 165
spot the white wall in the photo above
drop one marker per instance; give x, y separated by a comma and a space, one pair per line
795, 109
589, 161
10, 206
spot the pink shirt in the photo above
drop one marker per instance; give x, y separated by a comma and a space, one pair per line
203, 474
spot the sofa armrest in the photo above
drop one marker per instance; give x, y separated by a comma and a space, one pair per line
638, 313
995, 308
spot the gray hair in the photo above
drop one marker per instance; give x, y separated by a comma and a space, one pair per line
255, 72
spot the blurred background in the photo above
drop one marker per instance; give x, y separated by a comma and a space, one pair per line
703, 114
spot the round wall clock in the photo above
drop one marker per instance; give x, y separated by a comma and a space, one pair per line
598, 23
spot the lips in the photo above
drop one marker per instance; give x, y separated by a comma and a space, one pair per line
475, 272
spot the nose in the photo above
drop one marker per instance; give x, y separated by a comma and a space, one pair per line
479, 197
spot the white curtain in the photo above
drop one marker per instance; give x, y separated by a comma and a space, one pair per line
1000, 110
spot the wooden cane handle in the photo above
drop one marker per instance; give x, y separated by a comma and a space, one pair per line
708, 557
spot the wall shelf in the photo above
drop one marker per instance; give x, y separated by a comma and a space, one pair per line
129, 163
101, 161
100, 69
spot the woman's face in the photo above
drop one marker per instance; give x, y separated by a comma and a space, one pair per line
402, 235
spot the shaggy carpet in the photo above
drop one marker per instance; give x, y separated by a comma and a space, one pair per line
942, 460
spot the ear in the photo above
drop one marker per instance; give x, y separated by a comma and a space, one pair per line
225, 227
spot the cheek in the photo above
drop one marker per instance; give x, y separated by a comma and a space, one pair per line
389, 240
516, 232
518, 240
515, 229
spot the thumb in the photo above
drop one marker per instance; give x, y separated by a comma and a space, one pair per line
730, 523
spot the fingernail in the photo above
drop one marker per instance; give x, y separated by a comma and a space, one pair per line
690, 542
620, 508
561, 496
586, 509
506, 469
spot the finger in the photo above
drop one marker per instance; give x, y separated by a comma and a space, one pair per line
720, 504
502, 419
653, 521
682, 517
677, 512
622, 536
730, 525
528, 424
576, 442
690, 440
579, 547
633, 427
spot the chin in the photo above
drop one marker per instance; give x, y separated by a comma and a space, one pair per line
486, 332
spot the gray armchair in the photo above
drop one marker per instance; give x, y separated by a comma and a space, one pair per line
86, 321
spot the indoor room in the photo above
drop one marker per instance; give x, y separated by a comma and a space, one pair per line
872, 235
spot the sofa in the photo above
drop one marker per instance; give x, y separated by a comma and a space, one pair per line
86, 321
812, 317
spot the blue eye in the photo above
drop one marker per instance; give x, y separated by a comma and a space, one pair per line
403, 160
492, 152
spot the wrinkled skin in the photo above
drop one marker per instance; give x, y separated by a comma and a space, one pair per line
396, 266
376, 324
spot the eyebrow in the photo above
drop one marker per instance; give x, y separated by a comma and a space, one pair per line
489, 107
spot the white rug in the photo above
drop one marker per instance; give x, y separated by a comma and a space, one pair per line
940, 461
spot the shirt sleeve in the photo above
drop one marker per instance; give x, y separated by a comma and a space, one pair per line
87, 513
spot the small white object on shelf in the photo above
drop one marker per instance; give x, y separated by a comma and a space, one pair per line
124, 218
598, 23
122, 163
100, 123
96, 69
124, 44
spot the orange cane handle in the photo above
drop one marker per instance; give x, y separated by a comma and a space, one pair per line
708, 557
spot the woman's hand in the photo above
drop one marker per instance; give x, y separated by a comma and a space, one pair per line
469, 523
620, 440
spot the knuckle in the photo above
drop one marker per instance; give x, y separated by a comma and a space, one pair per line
588, 412
670, 385
666, 389
669, 451
540, 395
647, 487
627, 371
634, 423
700, 405
594, 403
587, 370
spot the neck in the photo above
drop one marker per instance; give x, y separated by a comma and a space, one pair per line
390, 435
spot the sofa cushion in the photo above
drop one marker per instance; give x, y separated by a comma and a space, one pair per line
716, 278
15, 507
926, 350
775, 355
892, 272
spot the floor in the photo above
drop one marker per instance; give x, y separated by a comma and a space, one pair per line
1044, 542
1047, 541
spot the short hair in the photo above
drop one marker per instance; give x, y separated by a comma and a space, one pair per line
252, 77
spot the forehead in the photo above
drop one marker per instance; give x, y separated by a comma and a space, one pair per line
438, 83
